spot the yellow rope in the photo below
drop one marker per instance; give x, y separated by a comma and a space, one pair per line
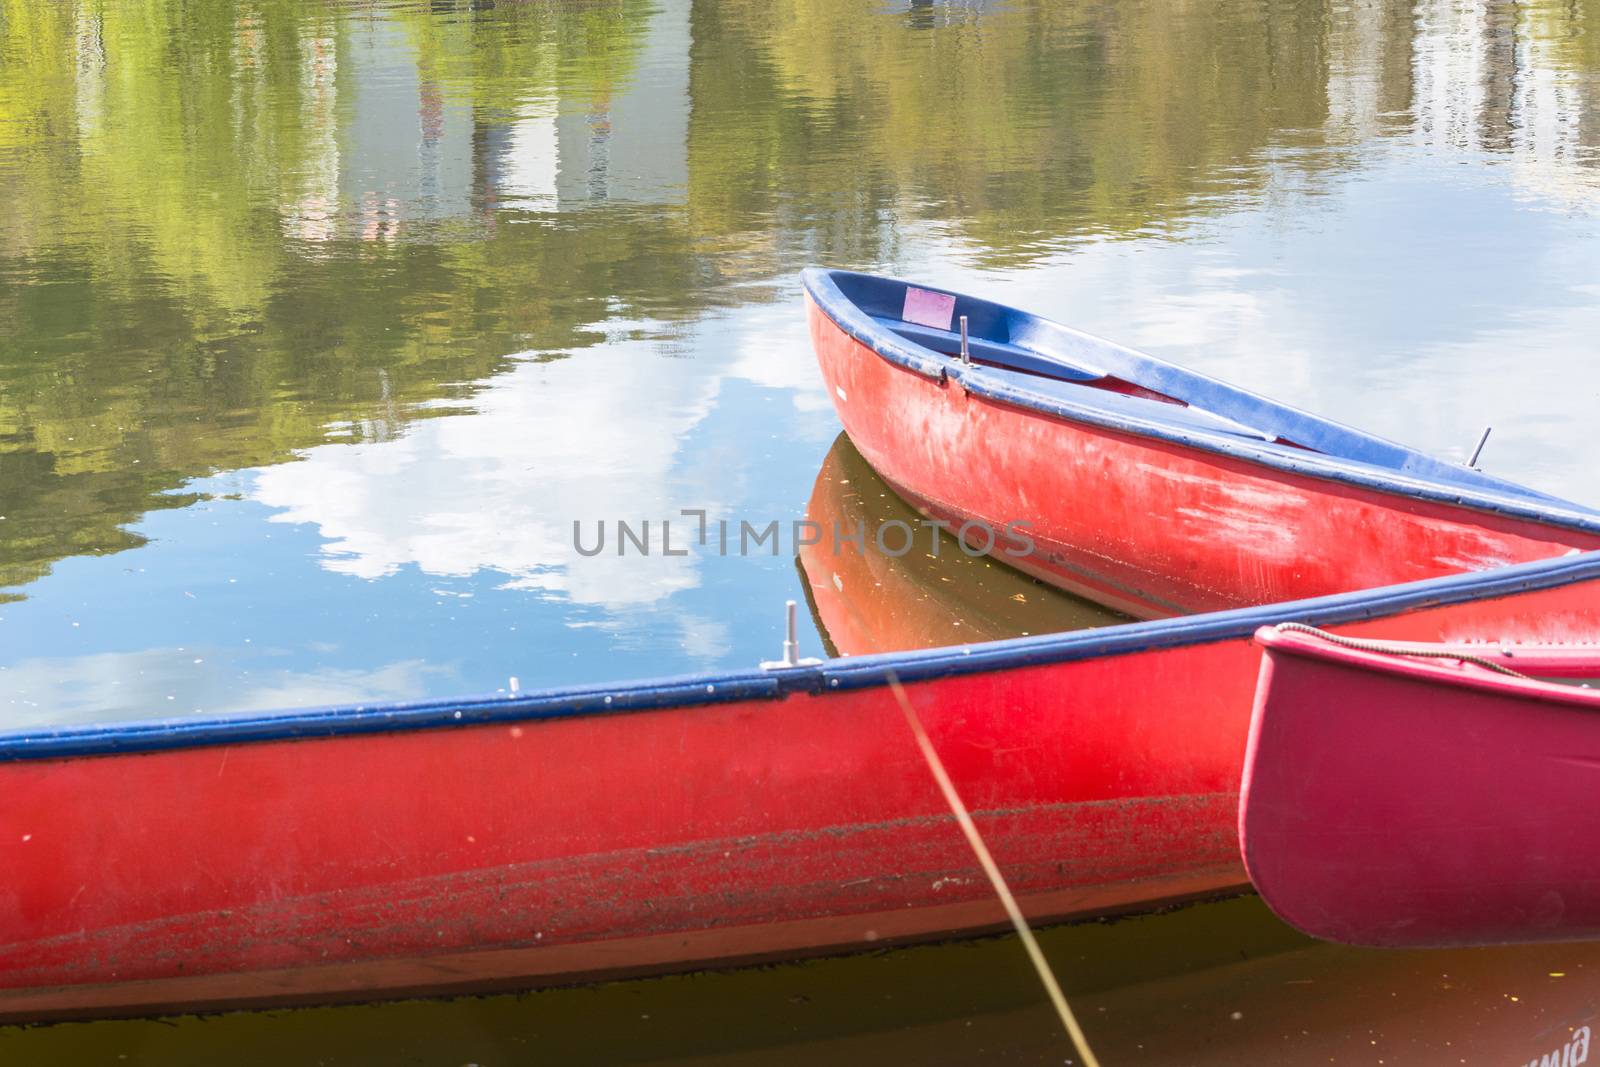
986, 861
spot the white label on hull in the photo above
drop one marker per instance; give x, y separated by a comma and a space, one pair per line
1574, 1053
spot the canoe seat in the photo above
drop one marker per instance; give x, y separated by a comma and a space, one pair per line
999, 353
1114, 404
1052, 377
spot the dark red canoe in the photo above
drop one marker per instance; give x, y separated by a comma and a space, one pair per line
1402, 801
360, 852
1145, 486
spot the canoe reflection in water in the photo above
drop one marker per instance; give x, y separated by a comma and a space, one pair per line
936, 594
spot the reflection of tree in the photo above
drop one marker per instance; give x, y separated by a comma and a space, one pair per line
1024, 125
1565, 41
493, 60
1033, 123
1571, 30
183, 281
140, 401
166, 329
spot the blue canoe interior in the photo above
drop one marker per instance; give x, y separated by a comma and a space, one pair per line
1036, 364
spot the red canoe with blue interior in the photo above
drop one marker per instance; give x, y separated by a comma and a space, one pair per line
1149, 488
364, 852
1396, 796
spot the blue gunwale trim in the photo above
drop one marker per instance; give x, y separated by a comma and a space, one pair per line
981, 381
836, 675
150, 735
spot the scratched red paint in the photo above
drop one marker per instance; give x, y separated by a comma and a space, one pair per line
1144, 526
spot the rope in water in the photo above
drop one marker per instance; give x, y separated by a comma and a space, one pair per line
986, 861
1392, 648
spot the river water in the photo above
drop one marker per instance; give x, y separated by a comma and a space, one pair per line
322, 325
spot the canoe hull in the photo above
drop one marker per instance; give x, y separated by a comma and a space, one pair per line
1404, 803
483, 844
1146, 526
568, 849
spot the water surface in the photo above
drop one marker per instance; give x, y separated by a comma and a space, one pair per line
321, 324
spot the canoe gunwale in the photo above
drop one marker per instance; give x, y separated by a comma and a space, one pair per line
982, 382
1277, 644
833, 675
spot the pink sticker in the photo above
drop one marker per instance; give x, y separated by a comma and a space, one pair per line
928, 309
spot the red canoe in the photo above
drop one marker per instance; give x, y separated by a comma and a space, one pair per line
354, 853
1146, 487
1399, 801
